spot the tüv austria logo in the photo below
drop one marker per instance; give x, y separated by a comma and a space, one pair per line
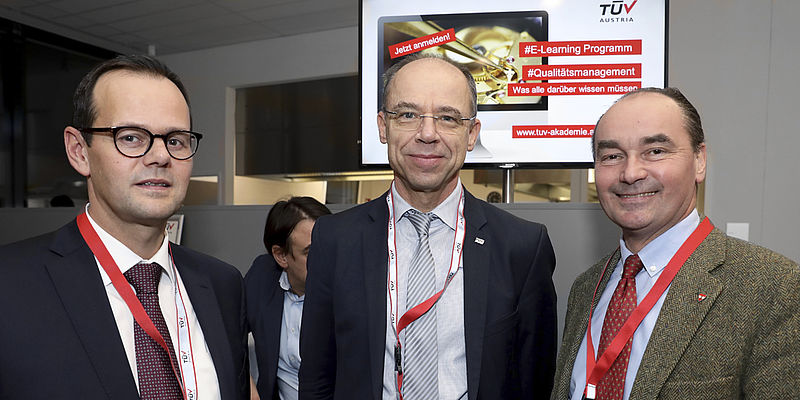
617, 11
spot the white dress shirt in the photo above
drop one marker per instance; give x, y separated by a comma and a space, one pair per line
207, 385
655, 256
289, 355
452, 365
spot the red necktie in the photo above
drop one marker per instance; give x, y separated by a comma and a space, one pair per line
622, 304
157, 381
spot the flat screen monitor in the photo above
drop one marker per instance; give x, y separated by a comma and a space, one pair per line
545, 70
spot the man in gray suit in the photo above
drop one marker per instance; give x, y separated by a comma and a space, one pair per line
680, 310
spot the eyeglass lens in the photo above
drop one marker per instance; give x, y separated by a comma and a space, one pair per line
446, 123
135, 142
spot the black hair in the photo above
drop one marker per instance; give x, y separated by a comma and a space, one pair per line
285, 215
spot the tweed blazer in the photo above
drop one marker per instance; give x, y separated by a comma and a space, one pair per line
742, 341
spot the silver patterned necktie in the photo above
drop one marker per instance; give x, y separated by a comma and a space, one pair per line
420, 358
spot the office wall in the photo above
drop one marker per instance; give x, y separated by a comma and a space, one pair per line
733, 58
212, 75
781, 172
257, 191
736, 60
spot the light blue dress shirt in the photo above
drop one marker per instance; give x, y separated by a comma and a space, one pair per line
289, 356
450, 307
655, 256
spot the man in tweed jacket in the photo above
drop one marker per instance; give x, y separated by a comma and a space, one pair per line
728, 326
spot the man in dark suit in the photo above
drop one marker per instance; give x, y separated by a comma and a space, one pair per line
694, 313
275, 285
105, 307
482, 322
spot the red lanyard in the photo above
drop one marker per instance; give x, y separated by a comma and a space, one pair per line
420, 309
596, 371
123, 287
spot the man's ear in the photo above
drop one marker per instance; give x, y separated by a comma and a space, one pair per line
382, 127
77, 151
700, 164
474, 131
279, 254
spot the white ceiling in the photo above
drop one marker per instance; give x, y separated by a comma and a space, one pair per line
174, 26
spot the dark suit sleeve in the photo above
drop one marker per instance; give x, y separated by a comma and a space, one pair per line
538, 324
566, 360
317, 341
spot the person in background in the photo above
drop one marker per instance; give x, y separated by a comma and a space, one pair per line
275, 286
680, 310
105, 307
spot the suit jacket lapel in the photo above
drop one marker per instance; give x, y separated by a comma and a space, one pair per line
375, 257
475, 261
76, 278
206, 308
680, 316
575, 332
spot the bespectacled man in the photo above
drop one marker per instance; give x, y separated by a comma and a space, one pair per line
427, 292
106, 307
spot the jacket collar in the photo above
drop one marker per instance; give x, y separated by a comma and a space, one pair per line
77, 282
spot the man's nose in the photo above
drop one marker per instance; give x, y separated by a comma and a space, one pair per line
158, 153
633, 171
427, 130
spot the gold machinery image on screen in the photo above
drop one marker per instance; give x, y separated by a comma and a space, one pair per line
486, 43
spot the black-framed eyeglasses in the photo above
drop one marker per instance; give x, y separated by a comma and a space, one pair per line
443, 122
134, 141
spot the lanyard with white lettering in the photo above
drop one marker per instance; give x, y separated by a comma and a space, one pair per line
186, 358
596, 371
184, 373
420, 309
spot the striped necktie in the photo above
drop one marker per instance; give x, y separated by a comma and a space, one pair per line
420, 359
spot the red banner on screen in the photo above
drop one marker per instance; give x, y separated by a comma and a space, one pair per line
581, 48
421, 43
551, 131
571, 88
582, 71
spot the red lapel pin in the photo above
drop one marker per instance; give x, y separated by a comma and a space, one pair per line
701, 297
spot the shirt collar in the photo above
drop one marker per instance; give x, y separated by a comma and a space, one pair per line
125, 257
656, 254
446, 211
287, 287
